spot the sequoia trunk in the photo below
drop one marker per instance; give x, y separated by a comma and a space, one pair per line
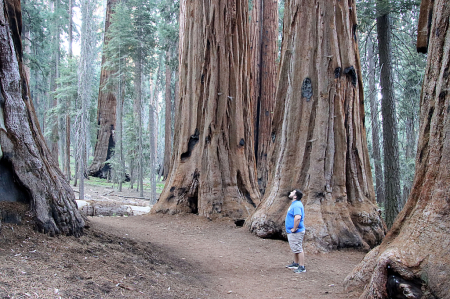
106, 115
213, 170
23, 149
319, 139
413, 260
264, 54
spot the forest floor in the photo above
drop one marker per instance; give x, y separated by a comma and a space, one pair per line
162, 256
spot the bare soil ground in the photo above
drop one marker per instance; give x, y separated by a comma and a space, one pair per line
162, 256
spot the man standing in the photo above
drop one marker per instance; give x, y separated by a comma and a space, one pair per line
295, 229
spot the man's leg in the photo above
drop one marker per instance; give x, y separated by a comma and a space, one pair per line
296, 258
301, 258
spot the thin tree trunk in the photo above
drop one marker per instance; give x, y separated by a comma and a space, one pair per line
319, 139
414, 259
374, 113
213, 162
119, 133
168, 118
22, 144
409, 155
388, 111
68, 101
172, 123
138, 113
152, 136
55, 135
85, 76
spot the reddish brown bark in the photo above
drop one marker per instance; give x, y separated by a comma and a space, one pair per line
213, 170
413, 260
106, 113
264, 31
22, 145
319, 139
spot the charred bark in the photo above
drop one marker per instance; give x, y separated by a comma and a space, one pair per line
318, 132
22, 145
106, 115
213, 171
417, 248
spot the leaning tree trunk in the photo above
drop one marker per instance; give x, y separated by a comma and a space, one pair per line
106, 115
318, 132
23, 149
414, 259
213, 170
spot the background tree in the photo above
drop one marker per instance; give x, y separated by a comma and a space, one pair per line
388, 111
106, 110
319, 141
68, 105
168, 118
413, 259
119, 41
264, 54
23, 149
374, 113
54, 76
168, 40
407, 75
410, 66
85, 85
39, 54
213, 170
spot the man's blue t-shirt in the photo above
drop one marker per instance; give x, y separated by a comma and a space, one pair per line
296, 208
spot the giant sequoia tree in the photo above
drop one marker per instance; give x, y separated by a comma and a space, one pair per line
413, 260
106, 112
24, 156
213, 170
318, 131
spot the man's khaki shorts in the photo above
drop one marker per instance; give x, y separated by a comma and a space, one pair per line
296, 242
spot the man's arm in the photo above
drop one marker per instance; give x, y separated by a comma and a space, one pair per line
297, 219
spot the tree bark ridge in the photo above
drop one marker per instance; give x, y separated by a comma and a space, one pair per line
106, 113
318, 135
213, 172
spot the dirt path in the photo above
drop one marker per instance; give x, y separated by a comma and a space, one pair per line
231, 262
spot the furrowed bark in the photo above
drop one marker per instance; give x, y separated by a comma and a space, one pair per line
213, 172
413, 260
318, 136
106, 115
22, 144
